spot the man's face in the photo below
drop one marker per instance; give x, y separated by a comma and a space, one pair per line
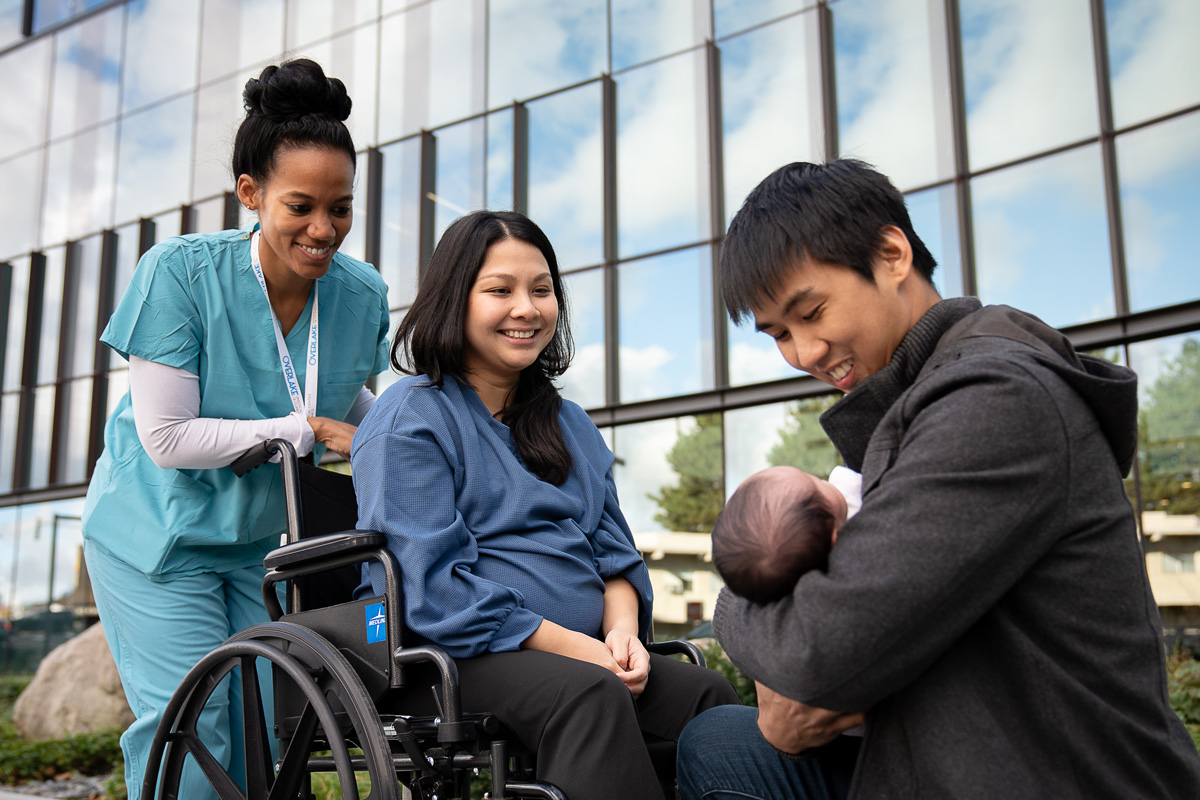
833, 323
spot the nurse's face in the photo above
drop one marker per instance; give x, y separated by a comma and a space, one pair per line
304, 209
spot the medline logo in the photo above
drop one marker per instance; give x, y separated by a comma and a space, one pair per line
376, 623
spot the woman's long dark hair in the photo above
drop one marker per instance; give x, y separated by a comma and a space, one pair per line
431, 339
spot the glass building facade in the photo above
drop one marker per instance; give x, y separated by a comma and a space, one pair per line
1049, 152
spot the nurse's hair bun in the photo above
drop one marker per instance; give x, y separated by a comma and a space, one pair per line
294, 89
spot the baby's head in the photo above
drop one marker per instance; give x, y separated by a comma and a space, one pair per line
779, 524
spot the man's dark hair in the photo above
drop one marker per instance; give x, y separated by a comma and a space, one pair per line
761, 546
431, 339
831, 212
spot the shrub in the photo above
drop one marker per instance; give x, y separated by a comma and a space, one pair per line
1183, 684
717, 660
42, 759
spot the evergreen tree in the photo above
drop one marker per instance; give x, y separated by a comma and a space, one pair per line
696, 457
802, 442
1169, 436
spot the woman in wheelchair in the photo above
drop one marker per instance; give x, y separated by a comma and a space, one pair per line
211, 325
497, 498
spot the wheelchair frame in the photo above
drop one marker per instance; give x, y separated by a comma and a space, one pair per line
326, 684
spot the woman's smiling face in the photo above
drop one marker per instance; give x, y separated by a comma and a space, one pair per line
304, 209
512, 312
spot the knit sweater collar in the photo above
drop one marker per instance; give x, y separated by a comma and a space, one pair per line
852, 420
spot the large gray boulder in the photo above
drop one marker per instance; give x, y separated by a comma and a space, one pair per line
76, 689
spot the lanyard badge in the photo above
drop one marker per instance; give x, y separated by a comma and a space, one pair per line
306, 405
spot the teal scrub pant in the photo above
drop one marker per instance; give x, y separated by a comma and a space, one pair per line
157, 631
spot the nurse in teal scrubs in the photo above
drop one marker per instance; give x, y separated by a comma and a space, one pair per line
232, 338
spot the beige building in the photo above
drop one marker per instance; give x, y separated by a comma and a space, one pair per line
685, 582
1172, 545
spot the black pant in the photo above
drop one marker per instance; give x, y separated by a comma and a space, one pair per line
588, 732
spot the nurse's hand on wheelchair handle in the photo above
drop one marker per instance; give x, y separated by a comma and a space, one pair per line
334, 434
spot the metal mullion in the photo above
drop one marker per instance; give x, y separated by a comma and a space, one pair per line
828, 65
520, 158
426, 213
147, 230
611, 317
716, 168
372, 249
1108, 156
6, 272
231, 212
958, 116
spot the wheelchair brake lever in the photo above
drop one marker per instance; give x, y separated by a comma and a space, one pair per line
437, 701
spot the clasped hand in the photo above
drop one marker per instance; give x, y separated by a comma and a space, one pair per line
791, 726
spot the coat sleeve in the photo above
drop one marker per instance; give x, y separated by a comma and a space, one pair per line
962, 495
406, 490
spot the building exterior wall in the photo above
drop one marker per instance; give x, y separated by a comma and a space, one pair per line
1049, 152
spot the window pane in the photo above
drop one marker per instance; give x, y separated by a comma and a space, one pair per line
584, 381
1169, 417
118, 387
770, 104
72, 466
644, 30
210, 215
730, 16
1029, 77
79, 185
20, 201
85, 311
353, 59
237, 34
52, 313
777, 434
14, 342
40, 437
87, 73
434, 60
160, 51
886, 83
753, 356
662, 155
310, 20
1159, 169
400, 240
537, 47
934, 217
21, 131
498, 191
665, 325
219, 114
154, 161
11, 13
566, 195
9, 405
1151, 47
460, 166
1041, 238
668, 473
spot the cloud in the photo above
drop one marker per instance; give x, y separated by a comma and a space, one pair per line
1153, 47
644, 470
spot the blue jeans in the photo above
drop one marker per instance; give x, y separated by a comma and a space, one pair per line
723, 756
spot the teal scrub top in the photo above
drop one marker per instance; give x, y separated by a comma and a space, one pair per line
194, 303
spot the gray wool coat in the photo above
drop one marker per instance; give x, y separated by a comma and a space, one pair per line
989, 604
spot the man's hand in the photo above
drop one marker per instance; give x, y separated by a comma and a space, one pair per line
790, 726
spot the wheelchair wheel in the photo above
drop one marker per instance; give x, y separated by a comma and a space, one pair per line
337, 714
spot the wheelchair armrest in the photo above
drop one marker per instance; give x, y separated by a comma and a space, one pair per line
307, 552
680, 647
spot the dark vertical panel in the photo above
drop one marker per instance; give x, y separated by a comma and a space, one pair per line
66, 355
612, 339
1108, 156
187, 219
962, 183
520, 158
29, 367
716, 169
428, 212
27, 18
5, 301
231, 211
104, 301
146, 233
828, 60
374, 201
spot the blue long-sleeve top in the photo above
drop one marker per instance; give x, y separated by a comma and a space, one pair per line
487, 550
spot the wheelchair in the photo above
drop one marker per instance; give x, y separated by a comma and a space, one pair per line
333, 659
